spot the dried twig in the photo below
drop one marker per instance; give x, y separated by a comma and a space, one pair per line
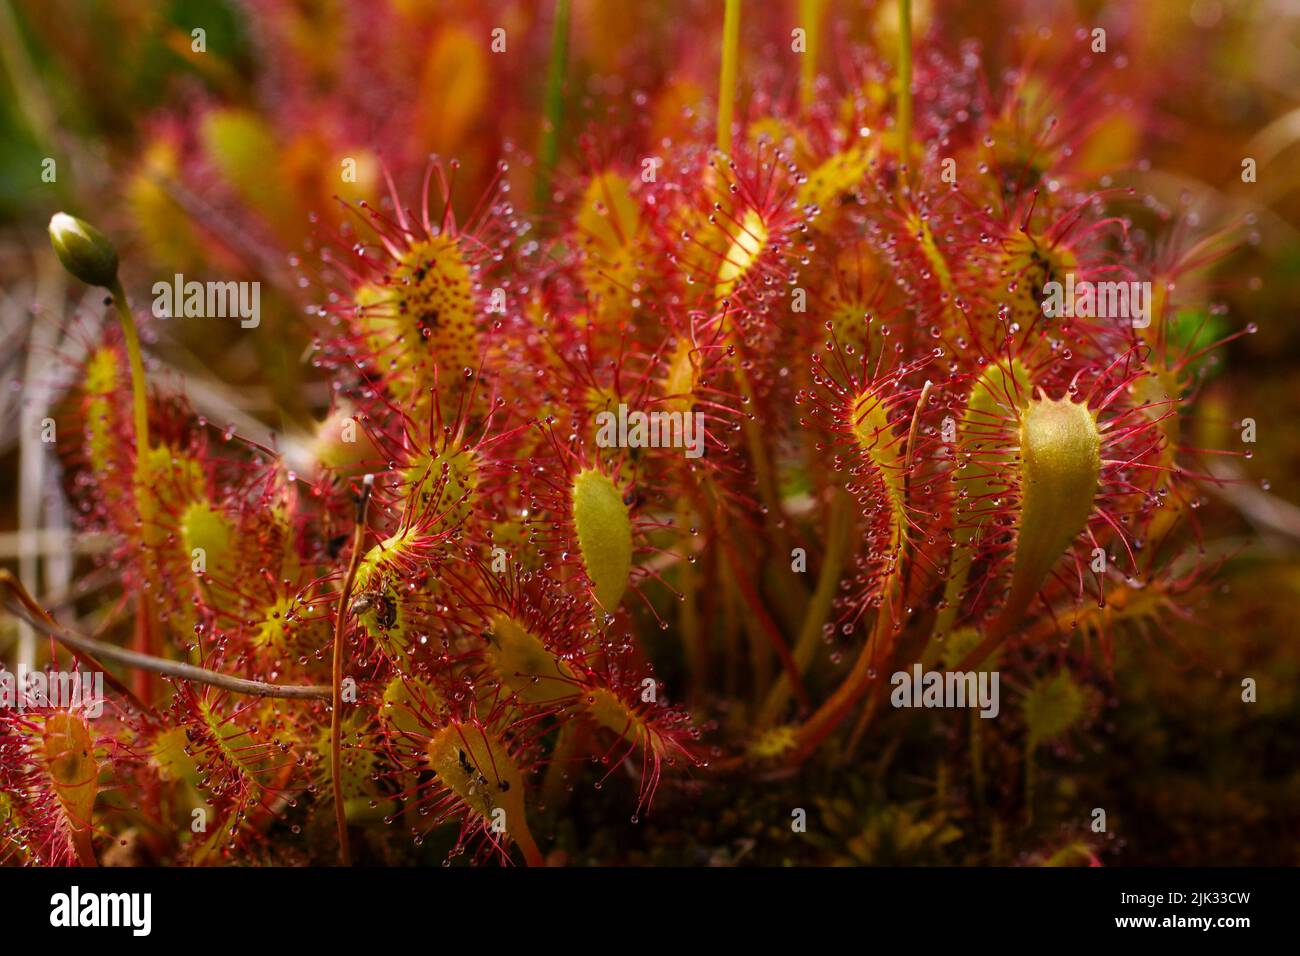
340, 628
24, 607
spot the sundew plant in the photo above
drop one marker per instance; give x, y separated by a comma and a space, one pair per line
706, 432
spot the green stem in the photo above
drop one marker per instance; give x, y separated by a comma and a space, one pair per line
730, 636
1029, 785
29, 96
977, 760
905, 80
140, 425
336, 672
839, 527
727, 75
762, 628
139, 402
764, 475
954, 590
810, 17
836, 707
689, 619
564, 758
554, 104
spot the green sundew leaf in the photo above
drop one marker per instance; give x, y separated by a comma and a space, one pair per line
1052, 706
995, 395
960, 643
524, 664
69, 750
878, 442
479, 769
1000, 392
1060, 468
795, 482
207, 529
362, 800
404, 702
70, 759
1072, 854
745, 250
168, 753
604, 535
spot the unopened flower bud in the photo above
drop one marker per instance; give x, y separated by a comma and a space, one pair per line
83, 250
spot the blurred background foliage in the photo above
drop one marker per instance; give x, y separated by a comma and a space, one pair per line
214, 162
